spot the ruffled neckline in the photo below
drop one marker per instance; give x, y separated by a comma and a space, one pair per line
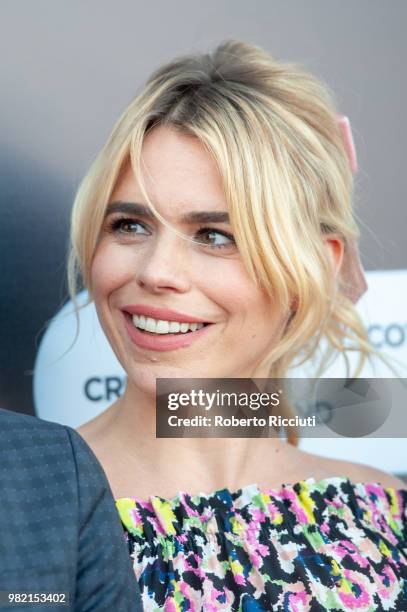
292, 505
247, 492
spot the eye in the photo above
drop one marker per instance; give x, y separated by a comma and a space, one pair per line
215, 239
128, 226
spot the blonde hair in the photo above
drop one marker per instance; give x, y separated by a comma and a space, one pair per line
273, 131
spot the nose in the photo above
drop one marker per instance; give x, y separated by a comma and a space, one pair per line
162, 268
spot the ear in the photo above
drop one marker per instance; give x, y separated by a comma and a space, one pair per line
335, 250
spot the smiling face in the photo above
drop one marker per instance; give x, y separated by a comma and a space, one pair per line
143, 270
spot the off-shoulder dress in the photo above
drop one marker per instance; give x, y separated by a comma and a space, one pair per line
309, 546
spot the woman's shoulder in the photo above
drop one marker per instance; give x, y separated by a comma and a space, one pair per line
324, 467
363, 473
360, 473
385, 479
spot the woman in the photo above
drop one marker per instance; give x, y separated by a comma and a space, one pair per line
215, 234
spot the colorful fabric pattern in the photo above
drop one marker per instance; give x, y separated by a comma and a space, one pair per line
312, 545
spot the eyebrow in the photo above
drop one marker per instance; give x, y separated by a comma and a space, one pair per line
133, 208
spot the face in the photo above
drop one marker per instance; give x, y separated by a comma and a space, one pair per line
214, 321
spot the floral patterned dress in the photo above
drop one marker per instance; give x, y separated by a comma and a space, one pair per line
313, 545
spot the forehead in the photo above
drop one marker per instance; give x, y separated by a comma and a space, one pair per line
178, 173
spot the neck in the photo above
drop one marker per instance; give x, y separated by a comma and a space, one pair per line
211, 462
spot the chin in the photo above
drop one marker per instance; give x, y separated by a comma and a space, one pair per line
143, 377
143, 385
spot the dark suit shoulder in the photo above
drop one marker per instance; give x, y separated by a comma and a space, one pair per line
59, 529
49, 461
18, 421
106, 578
26, 436
36, 456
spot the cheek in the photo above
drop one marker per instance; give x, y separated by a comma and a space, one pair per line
111, 268
253, 311
240, 296
228, 287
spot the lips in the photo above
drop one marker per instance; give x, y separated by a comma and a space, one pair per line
165, 314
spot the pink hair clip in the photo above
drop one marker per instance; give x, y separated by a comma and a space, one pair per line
352, 270
347, 136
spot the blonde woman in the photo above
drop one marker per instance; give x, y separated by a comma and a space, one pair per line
215, 234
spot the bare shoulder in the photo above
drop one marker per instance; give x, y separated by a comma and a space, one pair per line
361, 473
324, 467
358, 472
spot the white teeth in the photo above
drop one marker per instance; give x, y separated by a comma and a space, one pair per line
150, 325
174, 327
164, 327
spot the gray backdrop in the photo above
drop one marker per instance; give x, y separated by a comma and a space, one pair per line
69, 68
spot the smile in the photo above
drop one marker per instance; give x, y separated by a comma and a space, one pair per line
163, 335
159, 326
